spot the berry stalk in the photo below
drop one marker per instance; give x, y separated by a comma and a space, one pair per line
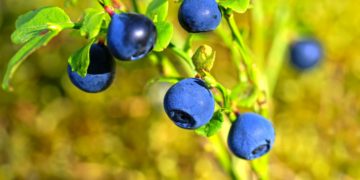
108, 7
109, 10
189, 66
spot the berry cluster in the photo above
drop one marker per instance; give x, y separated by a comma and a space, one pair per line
189, 103
130, 37
200, 103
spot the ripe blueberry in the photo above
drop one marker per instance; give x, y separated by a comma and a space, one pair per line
100, 73
131, 36
199, 15
251, 136
189, 103
305, 53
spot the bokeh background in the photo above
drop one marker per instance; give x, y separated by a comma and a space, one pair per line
51, 130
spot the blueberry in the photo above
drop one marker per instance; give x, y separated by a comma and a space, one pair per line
189, 103
305, 53
131, 36
199, 15
251, 136
100, 73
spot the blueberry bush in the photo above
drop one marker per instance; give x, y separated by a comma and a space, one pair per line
201, 102
234, 117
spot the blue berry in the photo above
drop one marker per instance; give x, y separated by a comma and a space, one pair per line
199, 15
100, 73
189, 103
305, 53
251, 136
131, 36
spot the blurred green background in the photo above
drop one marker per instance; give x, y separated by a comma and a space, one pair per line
51, 130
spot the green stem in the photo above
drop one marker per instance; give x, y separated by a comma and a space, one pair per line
171, 80
222, 155
235, 55
278, 50
245, 52
189, 66
239, 65
252, 74
188, 43
224, 91
167, 68
135, 6
258, 40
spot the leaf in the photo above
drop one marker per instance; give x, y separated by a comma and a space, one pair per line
80, 60
38, 22
213, 126
23, 53
92, 23
158, 10
165, 31
239, 6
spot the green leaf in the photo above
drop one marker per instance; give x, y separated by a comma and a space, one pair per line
158, 10
165, 31
80, 60
213, 126
92, 23
38, 22
239, 6
23, 53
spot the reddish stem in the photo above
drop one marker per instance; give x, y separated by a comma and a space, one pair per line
109, 10
116, 4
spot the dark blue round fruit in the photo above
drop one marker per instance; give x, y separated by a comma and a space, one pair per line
100, 73
251, 136
199, 15
305, 53
131, 36
189, 103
